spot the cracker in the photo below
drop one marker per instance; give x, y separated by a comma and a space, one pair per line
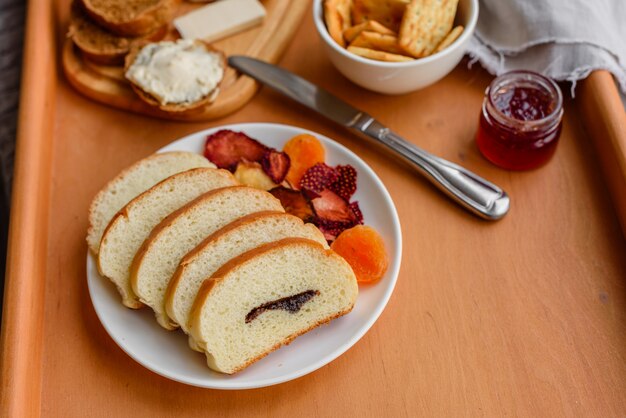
387, 12
369, 25
425, 24
338, 19
447, 41
378, 41
378, 55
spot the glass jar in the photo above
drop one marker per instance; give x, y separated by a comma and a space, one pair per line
520, 122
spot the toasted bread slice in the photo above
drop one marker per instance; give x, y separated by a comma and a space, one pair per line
134, 180
229, 242
130, 17
265, 298
160, 76
183, 230
131, 226
99, 45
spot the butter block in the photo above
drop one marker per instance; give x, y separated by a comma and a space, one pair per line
220, 19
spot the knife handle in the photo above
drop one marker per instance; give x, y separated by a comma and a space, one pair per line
471, 191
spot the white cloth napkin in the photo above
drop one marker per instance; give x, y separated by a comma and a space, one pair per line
563, 39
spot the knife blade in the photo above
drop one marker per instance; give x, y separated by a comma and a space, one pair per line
471, 191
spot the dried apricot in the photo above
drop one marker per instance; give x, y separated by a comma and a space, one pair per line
304, 151
363, 248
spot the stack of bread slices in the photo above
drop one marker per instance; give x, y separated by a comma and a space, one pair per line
222, 261
106, 30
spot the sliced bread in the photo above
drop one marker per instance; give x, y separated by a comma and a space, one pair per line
266, 297
99, 45
131, 226
130, 17
229, 242
180, 232
134, 180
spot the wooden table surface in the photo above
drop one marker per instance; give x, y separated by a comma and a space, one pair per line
523, 317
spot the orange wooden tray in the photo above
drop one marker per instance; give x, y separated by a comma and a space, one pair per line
107, 84
523, 317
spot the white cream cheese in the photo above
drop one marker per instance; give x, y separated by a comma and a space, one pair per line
176, 72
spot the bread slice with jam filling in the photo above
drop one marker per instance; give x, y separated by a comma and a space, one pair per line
225, 244
266, 297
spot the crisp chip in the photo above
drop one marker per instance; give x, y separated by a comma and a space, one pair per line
378, 41
425, 24
378, 55
387, 12
371, 25
337, 17
447, 41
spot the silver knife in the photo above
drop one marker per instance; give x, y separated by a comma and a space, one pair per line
471, 191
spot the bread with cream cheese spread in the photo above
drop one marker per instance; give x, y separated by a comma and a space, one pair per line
175, 76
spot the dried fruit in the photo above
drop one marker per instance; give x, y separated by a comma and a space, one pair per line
251, 174
325, 192
294, 202
333, 214
226, 148
363, 248
357, 212
331, 207
332, 229
340, 179
275, 164
345, 185
304, 151
318, 177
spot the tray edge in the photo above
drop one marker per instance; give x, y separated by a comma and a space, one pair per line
604, 118
20, 341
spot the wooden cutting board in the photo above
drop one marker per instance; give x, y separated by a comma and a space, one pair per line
106, 84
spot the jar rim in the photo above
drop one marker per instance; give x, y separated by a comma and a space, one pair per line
547, 84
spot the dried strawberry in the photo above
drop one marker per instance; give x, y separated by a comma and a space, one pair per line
340, 179
294, 202
275, 164
329, 206
331, 230
318, 177
357, 212
345, 185
226, 148
333, 214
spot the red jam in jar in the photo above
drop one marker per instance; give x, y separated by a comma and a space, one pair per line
520, 122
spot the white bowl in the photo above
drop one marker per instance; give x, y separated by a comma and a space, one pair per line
399, 77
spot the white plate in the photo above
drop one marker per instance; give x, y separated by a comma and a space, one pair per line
167, 353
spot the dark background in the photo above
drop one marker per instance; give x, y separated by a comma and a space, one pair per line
11, 35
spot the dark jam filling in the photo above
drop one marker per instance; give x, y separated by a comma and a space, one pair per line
291, 304
523, 103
